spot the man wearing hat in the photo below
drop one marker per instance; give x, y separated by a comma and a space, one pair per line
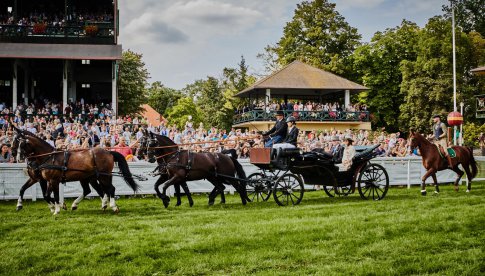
292, 136
440, 136
337, 150
278, 133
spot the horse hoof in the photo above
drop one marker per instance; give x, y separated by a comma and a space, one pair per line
211, 203
74, 208
466, 191
64, 206
19, 207
436, 193
178, 204
116, 210
104, 207
191, 204
423, 193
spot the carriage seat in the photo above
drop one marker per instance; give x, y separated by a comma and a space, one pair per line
365, 154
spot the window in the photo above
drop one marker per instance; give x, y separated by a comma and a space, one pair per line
86, 61
86, 85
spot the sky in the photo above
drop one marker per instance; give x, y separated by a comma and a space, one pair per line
187, 40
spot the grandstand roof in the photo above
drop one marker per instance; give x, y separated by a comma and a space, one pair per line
298, 79
479, 70
60, 51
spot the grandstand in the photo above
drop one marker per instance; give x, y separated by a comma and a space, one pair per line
61, 50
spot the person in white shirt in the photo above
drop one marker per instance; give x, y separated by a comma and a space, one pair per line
349, 152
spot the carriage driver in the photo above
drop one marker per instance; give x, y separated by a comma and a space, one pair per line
440, 136
292, 136
278, 133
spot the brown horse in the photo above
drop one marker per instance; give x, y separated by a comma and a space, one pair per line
34, 177
434, 162
79, 165
182, 165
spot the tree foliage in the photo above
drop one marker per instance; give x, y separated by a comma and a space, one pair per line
132, 84
378, 65
317, 35
428, 81
469, 15
162, 98
180, 112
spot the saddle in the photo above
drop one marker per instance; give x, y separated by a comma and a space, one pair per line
451, 152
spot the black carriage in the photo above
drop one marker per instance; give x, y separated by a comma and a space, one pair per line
285, 172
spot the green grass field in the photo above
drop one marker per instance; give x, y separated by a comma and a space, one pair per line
403, 234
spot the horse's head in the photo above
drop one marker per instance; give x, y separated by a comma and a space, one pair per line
151, 144
20, 146
413, 142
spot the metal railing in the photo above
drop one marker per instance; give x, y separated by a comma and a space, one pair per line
309, 116
70, 34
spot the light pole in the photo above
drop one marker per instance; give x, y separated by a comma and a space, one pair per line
462, 104
454, 66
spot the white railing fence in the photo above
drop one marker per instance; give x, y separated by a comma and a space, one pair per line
405, 171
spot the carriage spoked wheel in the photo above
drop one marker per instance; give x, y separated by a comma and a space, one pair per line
288, 189
333, 191
373, 182
258, 188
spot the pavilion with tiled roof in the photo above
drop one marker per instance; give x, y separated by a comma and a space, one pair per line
296, 81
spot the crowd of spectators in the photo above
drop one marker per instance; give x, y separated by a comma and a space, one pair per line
55, 19
91, 129
293, 105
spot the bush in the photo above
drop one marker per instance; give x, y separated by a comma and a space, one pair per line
471, 132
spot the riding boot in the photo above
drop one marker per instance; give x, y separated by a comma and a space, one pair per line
450, 163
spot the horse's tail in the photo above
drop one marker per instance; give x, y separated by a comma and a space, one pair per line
241, 174
473, 163
125, 170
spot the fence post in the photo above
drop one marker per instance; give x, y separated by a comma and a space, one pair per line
61, 193
34, 192
409, 173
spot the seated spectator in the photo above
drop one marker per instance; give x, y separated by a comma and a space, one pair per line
6, 155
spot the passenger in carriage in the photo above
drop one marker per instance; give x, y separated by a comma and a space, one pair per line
292, 136
349, 153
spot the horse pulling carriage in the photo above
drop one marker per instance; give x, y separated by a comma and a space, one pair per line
284, 175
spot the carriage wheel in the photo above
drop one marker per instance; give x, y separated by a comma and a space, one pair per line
258, 188
373, 182
288, 189
332, 191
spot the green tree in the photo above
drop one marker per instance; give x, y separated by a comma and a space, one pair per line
179, 113
132, 84
319, 36
428, 82
378, 65
161, 98
469, 15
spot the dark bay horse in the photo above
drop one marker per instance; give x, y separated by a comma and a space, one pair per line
183, 165
77, 165
433, 162
34, 177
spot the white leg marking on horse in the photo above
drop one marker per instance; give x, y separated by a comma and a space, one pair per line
112, 204
52, 207
423, 191
19, 202
104, 201
76, 202
467, 190
57, 209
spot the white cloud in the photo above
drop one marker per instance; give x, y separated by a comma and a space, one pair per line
351, 4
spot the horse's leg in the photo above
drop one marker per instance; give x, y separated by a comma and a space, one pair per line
469, 176
86, 191
436, 186
187, 192
109, 189
460, 175
177, 194
218, 188
99, 189
236, 186
166, 184
27, 185
423, 184
47, 192
55, 188
159, 182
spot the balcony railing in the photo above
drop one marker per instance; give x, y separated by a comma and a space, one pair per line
307, 116
58, 34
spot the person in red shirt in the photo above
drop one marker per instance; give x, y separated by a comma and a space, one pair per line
122, 148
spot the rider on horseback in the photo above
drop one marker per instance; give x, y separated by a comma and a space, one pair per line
440, 136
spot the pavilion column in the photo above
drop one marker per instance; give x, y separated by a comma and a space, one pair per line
267, 99
347, 98
14, 86
64, 86
26, 86
114, 88
32, 88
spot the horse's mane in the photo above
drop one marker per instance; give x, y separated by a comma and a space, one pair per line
421, 137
